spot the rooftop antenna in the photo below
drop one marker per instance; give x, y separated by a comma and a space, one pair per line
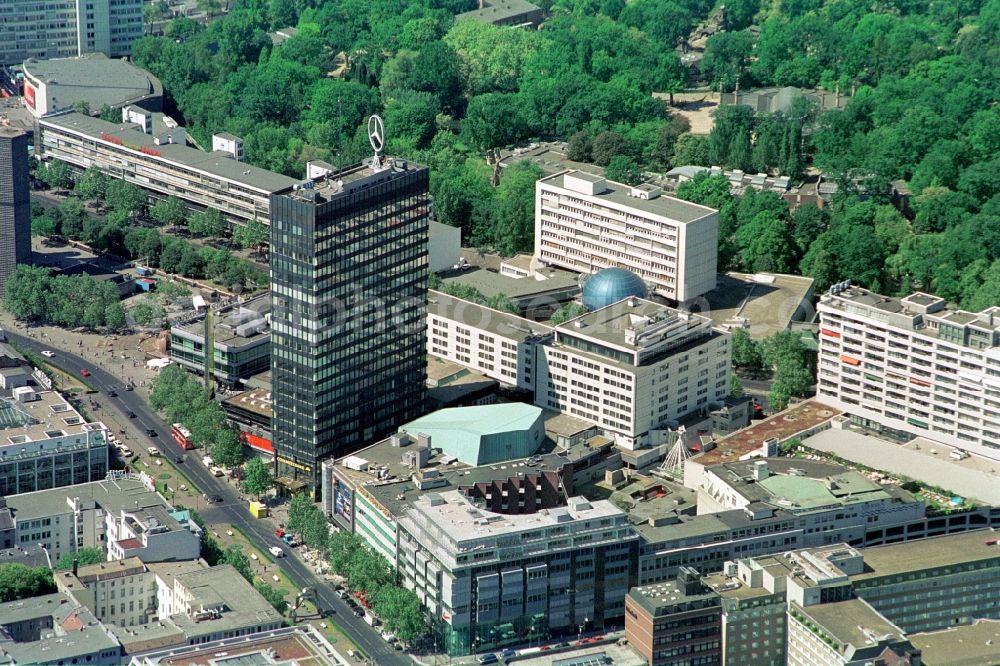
376, 137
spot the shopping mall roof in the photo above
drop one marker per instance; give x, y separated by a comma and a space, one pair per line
483, 434
94, 79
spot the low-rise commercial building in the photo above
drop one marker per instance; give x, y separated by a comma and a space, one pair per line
63, 520
240, 337
55, 85
153, 533
52, 629
912, 367
45, 443
202, 179
302, 644
585, 223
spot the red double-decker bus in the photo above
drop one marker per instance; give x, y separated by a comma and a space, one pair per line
181, 435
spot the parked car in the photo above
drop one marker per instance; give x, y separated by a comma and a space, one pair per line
277, 552
215, 471
130, 414
342, 593
279, 532
153, 451
128, 387
488, 658
48, 354
359, 611
507, 653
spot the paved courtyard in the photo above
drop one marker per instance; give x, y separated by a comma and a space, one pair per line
974, 477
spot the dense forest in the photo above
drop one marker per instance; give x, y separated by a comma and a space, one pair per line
922, 76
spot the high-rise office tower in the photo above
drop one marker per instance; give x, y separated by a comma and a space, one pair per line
66, 28
349, 290
15, 208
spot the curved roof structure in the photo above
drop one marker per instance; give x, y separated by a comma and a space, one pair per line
611, 285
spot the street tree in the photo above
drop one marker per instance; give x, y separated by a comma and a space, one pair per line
207, 223
746, 350
169, 212
298, 511
234, 556
91, 184
274, 596
400, 612
124, 197
55, 173
147, 310
257, 477
227, 449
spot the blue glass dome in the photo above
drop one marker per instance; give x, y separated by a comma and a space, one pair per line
610, 286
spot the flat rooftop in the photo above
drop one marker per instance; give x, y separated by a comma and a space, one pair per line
844, 621
661, 596
782, 426
967, 645
618, 194
350, 179
800, 485
632, 317
931, 553
302, 645
108, 570
228, 324
491, 283
456, 515
767, 303
39, 420
499, 323
550, 157
222, 585
213, 164
112, 496
496, 10
256, 400
650, 497
94, 79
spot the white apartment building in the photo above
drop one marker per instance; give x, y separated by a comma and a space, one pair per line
122, 592
912, 365
497, 579
500, 345
65, 28
635, 368
586, 223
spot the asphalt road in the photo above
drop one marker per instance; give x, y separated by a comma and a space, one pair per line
231, 510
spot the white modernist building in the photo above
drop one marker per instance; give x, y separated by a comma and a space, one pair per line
586, 223
912, 365
635, 368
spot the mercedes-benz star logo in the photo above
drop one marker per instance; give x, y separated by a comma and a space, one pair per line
376, 133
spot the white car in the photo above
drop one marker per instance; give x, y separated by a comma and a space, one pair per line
215, 471
277, 552
153, 451
48, 354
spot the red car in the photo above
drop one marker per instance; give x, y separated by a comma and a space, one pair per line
85, 372
279, 533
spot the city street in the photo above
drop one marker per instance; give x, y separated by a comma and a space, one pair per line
232, 509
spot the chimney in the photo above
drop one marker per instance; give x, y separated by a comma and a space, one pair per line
760, 470
76, 565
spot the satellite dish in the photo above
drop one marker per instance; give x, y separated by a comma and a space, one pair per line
376, 133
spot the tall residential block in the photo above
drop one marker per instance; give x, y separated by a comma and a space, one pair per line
586, 223
912, 367
348, 330
65, 28
15, 208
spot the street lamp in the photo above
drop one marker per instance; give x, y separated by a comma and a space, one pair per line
584, 624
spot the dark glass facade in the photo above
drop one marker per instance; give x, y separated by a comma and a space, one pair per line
15, 208
348, 329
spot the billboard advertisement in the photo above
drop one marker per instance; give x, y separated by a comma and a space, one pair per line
29, 95
342, 500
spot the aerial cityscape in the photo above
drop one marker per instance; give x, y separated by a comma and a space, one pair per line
535, 332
